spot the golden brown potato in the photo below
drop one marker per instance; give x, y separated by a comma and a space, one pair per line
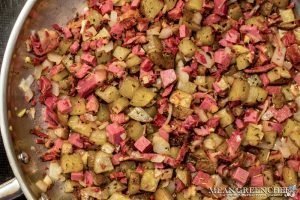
162, 59
142, 96
235, 11
76, 125
212, 141
295, 137
71, 163
289, 176
256, 95
239, 90
98, 137
134, 183
102, 56
266, 8
187, 47
194, 5
134, 129
151, 8
226, 117
253, 135
121, 53
133, 61
119, 105
180, 98
102, 163
103, 113
128, 87
263, 156
268, 140
181, 112
162, 194
118, 196
78, 106
281, 3
149, 182
258, 21
205, 36
268, 177
94, 17
242, 61
170, 4
290, 127
110, 94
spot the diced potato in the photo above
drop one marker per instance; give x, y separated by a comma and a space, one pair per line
115, 187
76, 125
103, 33
203, 161
110, 94
134, 183
187, 47
290, 127
278, 73
239, 90
121, 53
152, 111
170, 4
268, 140
235, 11
289, 176
256, 95
119, 105
151, 8
71, 163
195, 5
281, 3
60, 76
142, 96
134, 129
292, 146
254, 135
187, 87
154, 44
226, 117
287, 93
69, 186
160, 145
212, 141
266, 8
63, 46
102, 163
128, 87
94, 17
103, 113
180, 98
149, 182
98, 137
66, 148
78, 106
268, 178
68, 61
42, 185
163, 194
188, 19
263, 156
181, 112
133, 61
139, 114
258, 21
287, 15
295, 137
205, 36
242, 61
183, 175
102, 56
63, 118
118, 196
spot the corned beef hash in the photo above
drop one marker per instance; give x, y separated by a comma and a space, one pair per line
166, 99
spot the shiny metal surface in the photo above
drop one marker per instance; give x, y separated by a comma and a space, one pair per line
36, 14
10, 189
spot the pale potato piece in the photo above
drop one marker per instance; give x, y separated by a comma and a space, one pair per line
98, 137
151, 8
78, 106
180, 98
102, 163
71, 163
142, 96
149, 182
76, 125
121, 53
128, 87
226, 117
239, 90
187, 47
110, 94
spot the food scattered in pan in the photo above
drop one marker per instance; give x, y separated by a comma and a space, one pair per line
152, 99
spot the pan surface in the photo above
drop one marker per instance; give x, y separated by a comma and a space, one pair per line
35, 15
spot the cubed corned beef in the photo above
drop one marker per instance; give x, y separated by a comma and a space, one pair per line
114, 132
168, 77
92, 104
143, 144
64, 106
203, 179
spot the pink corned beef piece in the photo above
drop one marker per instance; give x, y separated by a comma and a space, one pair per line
143, 144
76, 140
89, 59
240, 175
183, 31
92, 104
64, 106
107, 7
114, 132
232, 36
257, 181
77, 176
176, 12
168, 77
116, 70
282, 114
89, 83
203, 179
222, 57
51, 102
83, 71
220, 7
251, 116
120, 118
209, 104
88, 178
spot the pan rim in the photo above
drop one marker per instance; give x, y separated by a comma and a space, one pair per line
6, 62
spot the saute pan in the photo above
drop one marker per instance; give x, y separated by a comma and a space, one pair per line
19, 144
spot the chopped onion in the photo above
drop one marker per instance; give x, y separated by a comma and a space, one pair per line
83, 25
25, 87
37, 72
182, 75
55, 88
158, 158
108, 47
113, 18
139, 114
170, 111
55, 171
166, 33
282, 146
42, 186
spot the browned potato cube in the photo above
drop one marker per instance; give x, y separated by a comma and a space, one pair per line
239, 90
205, 36
226, 117
71, 163
151, 8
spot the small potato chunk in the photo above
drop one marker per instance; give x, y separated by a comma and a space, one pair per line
213, 141
78, 106
235, 11
102, 56
242, 62
149, 182
278, 73
94, 17
290, 127
289, 176
128, 87
195, 5
119, 105
98, 137
60, 76
295, 137
268, 178
255, 95
110, 94
160, 145
268, 140
287, 15
134, 129
226, 117
181, 112
142, 96
258, 21
71, 163
134, 183
102, 163
266, 8
183, 175
121, 53
163, 194
180, 98
239, 90
187, 87
76, 125
187, 47
151, 8
253, 135
281, 3
118, 196
170, 4
103, 113
133, 61
205, 36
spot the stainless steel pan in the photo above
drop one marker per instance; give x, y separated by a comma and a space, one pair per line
36, 14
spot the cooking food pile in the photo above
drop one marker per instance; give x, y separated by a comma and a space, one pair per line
152, 99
